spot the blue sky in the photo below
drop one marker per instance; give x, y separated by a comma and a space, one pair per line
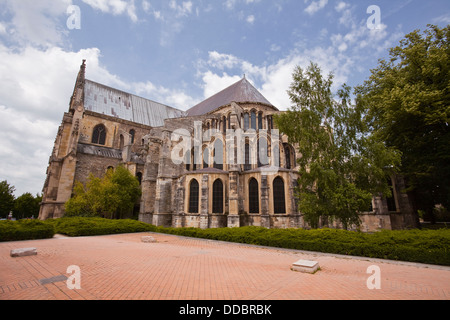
178, 53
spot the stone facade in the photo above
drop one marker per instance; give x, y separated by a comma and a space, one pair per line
222, 163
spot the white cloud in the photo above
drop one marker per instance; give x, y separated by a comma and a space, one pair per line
182, 10
172, 97
274, 47
316, 6
26, 145
222, 61
341, 6
37, 22
273, 79
146, 5
115, 7
2, 29
444, 19
214, 83
35, 89
250, 19
229, 4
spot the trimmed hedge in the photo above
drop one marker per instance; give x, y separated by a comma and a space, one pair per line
79, 226
25, 230
424, 246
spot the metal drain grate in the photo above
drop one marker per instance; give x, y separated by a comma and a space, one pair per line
53, 279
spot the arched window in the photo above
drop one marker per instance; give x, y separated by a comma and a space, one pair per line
193, 159
121, 142
260, 121
132, 134
246, 121
218, 154
205, 158
253, 196
247, 164
287, 154
229, 121
269, 123
263, 158
187, 159
253, 120
99, 134
279, 205
139, 177
276, 155
218, 196
193, 196
224, 125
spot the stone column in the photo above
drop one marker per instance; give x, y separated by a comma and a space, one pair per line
265, 217
178, 217
163, 199
204, 204
233, 200
149, 178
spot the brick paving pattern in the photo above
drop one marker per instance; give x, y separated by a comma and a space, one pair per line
122, 267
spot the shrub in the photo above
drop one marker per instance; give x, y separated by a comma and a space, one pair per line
425, 246
80, 226
25, 230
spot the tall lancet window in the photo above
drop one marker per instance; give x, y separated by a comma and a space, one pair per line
253, 196
193, 196
218, 154
99, 134
218, 196
253, 120
279, 203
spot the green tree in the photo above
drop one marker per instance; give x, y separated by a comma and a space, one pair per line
6, 198
26, 206
341, 164
112, 196
408, 102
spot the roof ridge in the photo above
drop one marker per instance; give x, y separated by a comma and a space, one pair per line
240, 91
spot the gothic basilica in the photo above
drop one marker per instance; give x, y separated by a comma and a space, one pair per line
221, 163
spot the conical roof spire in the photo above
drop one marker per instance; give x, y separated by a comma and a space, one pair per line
241, 91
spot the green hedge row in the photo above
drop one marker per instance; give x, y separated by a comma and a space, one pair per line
73, 227
25, 230
79, 226
425, 246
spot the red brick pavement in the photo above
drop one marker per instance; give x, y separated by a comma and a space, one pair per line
121, 267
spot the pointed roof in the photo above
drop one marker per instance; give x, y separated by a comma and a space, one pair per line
241, 91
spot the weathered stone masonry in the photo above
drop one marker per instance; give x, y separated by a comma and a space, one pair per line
223, 181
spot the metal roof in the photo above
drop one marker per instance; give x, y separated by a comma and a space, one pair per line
115, 103
241, 91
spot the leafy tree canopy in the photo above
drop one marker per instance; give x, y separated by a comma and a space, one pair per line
26, 206
341, 164
408, 103
6, 198
112, 196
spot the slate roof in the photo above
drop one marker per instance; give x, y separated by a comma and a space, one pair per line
241, 91
119, 104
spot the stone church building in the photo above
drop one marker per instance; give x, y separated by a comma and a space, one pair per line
221, 163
